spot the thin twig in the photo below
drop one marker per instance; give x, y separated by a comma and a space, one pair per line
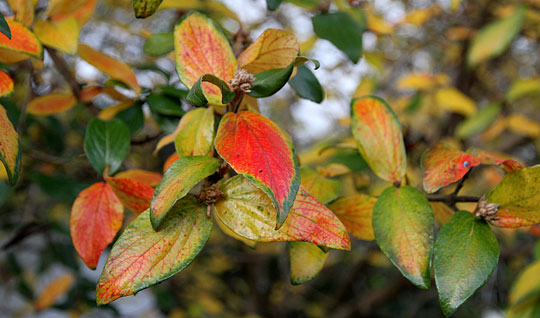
448, 198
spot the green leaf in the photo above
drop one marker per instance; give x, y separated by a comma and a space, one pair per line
142, 257
478, 122
145, 8
4, 27
159, 44
466, 254
307, 260
133, 117
273, 4
518, 196
173, 91
106, 143
403, 224
523, 87
181, 176
342, 30
196, 96
306, 85
164, 105
493, 39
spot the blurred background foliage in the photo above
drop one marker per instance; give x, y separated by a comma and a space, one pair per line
415, 56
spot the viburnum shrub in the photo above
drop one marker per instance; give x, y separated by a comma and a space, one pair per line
237, 168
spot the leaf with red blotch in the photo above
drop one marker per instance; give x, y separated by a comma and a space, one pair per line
142, 257
51, 104
247, 210
114, 68
182, 175
273, 49
22, 40
10, 147
323, 189
377, 132
443, 165
502, 160
96, 217
201, 48
133, 194
356, 213
172, 158
6, 84
257, 148
149, 178
518, 197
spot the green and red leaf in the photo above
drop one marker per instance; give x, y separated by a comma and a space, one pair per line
273, 49
201, 48
6, 84
96, 217
518, 196
142, 257
323, 189
257, 148
114, 68
149, 178
377, 132
307, 260
502, 160
466, 254
22, 40
133, 194
181, 176
51, 104
248, 211
10, 147
403, 225
356, 213
196, 135
443, 165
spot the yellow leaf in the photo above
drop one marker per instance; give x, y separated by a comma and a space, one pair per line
81, 14
441, 212
420, 16
24, 11
521, 125
53, 291
422, 81
452, 100
57, 7
307, 45
333, 170
377, 24
496, 129
366, 87
522, 87
213, 8
10, 57
527, 284
109, 112
62, 35
454, 5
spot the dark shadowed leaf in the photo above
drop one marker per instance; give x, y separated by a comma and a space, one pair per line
106, 143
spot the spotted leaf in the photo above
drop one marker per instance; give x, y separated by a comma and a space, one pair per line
142, 257
261, 151
96, 217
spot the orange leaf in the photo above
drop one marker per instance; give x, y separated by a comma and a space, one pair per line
133, 194
24, 11
96, 217
201, 48
10, 148
10, 57
149, 178
6, 84
63, 6
111, 111
377, 132
51, 104
89, 92
356, 213
82, 14
172, 158
444, 165
22, 40
114, 68
62, 35
273, 49
53, 291
257, 148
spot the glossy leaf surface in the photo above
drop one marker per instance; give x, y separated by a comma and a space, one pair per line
197, 93
6, 84
133, 194
4, 27
51, 104
181, 176
10, 148
201, 48
22, 40
356, 213
403, 225
466, 254
96, 216
247, 211
443, 165
257, 148
306, 85
518, 195
106, 143
307, 260
377, 132
142, 257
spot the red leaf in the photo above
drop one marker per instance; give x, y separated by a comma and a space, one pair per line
443, 165
502, 160
258, 149
22, 40
96, 216
133, 194
149, 178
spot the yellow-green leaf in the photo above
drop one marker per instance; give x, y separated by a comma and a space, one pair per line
523, 87
526, 286
196, 134
323, 189
307, 260
452, 100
